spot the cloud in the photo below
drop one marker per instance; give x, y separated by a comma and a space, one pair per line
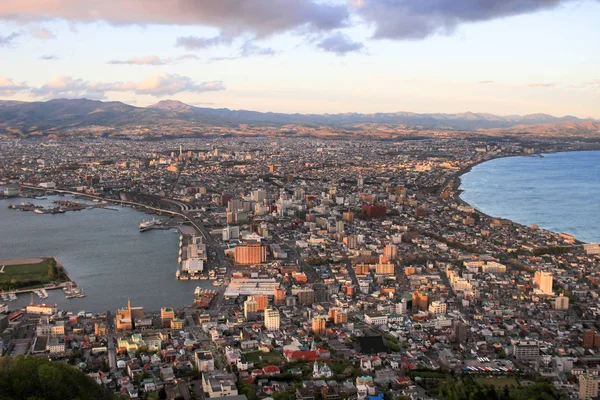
542, 84
8, 40
405, 19
9, 87
42, 33
260, 17
485, 82
153, 60
340, 44
158, 86
48, 57
250, 49
198, 43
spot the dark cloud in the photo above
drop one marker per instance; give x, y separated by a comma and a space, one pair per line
8, 40
418, 19
159, 85
260, 17
340, 44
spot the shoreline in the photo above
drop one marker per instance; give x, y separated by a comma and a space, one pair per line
458, 181
36, 260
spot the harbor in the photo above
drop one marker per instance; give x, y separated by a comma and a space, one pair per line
58, 207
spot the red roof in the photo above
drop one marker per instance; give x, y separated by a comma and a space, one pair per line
271, 369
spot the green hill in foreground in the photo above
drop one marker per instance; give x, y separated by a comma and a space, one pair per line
31, 378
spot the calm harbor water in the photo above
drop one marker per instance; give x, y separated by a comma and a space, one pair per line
559, 192
104, 252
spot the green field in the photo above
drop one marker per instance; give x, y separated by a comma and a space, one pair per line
260, 358
497, 383
28, 275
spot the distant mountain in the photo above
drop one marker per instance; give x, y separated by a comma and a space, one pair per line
55, 117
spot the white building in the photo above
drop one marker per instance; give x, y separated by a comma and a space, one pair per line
527, 350
376, 319
272, 319
437, 307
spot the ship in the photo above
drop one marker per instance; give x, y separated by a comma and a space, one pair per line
146, 225
38, 211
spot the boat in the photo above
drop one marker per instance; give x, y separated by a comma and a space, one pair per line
38, 211
218, 282
146, 225
70, 296
12, 297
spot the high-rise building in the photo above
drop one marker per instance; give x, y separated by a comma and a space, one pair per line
390, 251
279, 296
348, 216
306, 297
459, 332
528, 350
437, 307
384, 269
543, 282
318, 325
420, 301
166, 315
338, 316
259, 195
588, 338
561, 303
250, 254
272, 319
262, 302
588, 386
250, 309
339, 226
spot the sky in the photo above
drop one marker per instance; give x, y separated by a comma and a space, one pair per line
504, 57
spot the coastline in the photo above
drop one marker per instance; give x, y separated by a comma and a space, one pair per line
456, 191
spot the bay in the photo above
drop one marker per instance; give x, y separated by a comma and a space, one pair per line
103, 251
559, 191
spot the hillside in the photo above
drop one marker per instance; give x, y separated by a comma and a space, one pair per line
36, 378
64, 117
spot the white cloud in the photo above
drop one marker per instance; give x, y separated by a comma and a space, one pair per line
9, 87
153, 60
159, 85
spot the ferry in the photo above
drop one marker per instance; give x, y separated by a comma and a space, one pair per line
146, 225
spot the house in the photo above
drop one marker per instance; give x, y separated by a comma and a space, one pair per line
219, 384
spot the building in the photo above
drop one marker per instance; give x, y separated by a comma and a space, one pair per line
390, 251
318, 325
126, 316
543, 282
420, 301
592, 249
306, 297
177, 324
338, 316
526, 350
272, 319
437, 307
219, 384
373, 211
43, 309
44, 328
588, 386
250, 309
204, 360
279, 296
459, 332
376, 319
250, 254
262, 302
166, 316
384, 269
561, 303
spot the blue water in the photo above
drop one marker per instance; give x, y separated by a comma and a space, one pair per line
104, 252
559, 192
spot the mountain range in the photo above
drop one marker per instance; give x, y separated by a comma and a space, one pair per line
65, 116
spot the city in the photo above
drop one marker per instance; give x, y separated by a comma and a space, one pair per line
340, 269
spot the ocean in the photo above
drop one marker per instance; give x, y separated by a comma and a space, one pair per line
559, 192
104, 252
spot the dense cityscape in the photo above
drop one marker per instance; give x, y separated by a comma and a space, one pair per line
341, 269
